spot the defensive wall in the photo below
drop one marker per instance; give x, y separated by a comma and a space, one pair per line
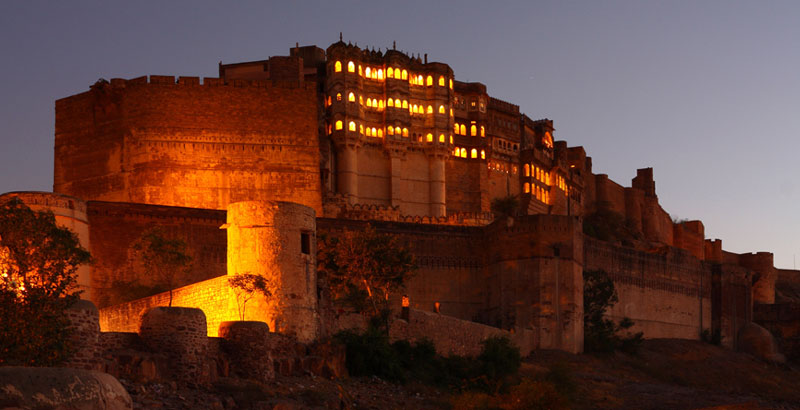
185, 143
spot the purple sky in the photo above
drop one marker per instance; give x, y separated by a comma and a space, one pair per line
706, 92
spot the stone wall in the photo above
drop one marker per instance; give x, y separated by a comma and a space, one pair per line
184, 143
115, 227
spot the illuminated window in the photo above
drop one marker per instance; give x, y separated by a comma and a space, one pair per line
397, 103
441, 138
463, 152
463, 129
352, 126
483, 131
398, 131
483, 154
441, 81
474, 153
441, 109
380, 133
390, 131
351, 97
455, 152
405, 103
368, 72
473, 130
369, 102
390, 72
451, 112
361, 99
390, 103
405, 132
329, 100
451, 139
338, 96
429, 81
380, 105
351, 67
405, 75
369, 131
339, 124
361, 129
420, 80
451, 83
374, 132
430, 109
380, 74
414, 108
337, 67
455, 128
429, 137
527, 188
527, 170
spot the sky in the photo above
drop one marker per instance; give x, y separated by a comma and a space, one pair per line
705, 92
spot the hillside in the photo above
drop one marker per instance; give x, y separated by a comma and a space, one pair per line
665, 374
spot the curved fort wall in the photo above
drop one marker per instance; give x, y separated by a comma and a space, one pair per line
188, 144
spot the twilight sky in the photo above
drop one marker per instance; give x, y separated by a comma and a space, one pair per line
705, 92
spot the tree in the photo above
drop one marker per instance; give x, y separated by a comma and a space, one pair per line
166, 260
362, 268
245, 287
38, 265
505, 207
602, 334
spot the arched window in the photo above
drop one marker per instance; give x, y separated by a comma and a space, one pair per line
451, 112
361, 99
473, 130
367, 71
429, 81
441, 81
527, 170
414, 108
398, 131
369, 131
527, 188
390, 131
380, 74
405, 75
451, 83
463, 152
390, 72
483, 131
451, 139
374, 132
338, 96
441, 138
380, 105
352, 126
474, 153
339, 124
361, 129
390, 103
430, 109
405, 103
441, 109
351, 97
455, 128
405, 132
351, 67
369, 102
329, 100
429, 137
397, 103
337, 67
380, 133
463, 129
483, 154
420, 80
359, 70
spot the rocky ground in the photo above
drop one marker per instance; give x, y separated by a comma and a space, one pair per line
665, 374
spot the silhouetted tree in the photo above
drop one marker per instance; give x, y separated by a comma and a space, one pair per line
245, 287
164, 259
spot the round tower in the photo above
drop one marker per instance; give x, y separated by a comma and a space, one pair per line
276, 240
70, 213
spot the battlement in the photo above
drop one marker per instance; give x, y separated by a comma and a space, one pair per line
501, 105
387, 213
184, 81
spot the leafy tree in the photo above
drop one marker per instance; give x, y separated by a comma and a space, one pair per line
164, 259
362, 268
602, 334
505, 207
38, 265
245, 287
610, 226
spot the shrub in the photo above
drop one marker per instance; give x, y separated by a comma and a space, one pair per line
600, 334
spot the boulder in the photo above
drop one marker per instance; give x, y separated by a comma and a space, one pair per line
61, 388
759, 342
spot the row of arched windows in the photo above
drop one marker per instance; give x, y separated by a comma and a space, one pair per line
391, 72
461, 152
540, 193
561, 183
502, 167
461, 129
531, 170
378, 132
396, 103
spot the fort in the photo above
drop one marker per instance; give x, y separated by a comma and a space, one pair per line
251, 167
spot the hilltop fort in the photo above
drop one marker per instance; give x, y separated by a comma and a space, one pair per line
278, 151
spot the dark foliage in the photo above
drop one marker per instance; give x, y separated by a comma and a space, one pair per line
505, 207
713, 337
38, 265
600, 334
607, 225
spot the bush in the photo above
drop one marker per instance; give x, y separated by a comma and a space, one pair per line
600, 334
